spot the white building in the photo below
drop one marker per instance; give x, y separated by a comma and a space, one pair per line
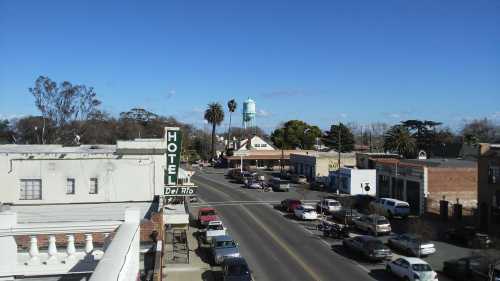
53, 174
256, 143
355, 181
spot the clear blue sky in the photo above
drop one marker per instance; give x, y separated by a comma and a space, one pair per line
320, 61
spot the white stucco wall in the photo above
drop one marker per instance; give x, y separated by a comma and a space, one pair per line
120, 178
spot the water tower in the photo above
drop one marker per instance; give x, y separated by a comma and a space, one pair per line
249, 114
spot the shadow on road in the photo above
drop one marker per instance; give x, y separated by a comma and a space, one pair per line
339, 249
382, 275
211, 275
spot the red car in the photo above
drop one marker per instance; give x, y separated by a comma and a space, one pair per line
289, 205
206, 215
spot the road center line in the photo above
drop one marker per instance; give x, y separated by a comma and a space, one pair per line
282, 245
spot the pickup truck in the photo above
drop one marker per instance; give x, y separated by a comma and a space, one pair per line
214, 228
206, 215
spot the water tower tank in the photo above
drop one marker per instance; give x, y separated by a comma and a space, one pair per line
249, 113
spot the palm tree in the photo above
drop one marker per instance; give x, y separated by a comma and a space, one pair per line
214, 115
398, 138
231, 105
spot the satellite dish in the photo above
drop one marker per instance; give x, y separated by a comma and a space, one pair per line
422, 155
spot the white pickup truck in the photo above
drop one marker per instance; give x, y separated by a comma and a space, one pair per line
214, 228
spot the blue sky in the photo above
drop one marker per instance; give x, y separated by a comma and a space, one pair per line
320, 61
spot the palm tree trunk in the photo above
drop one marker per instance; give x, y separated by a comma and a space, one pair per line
213, 141
229, 130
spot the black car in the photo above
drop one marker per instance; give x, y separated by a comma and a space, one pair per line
346, 216
317, 185
474, 268
235, 269
469, 236
368, 246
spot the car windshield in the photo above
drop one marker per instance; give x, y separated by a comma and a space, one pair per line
382, 221
208, 213
237, 270
421, 267
375, 244
225, 244
215, 227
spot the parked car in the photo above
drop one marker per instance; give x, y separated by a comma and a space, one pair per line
412, 244
235, 269
469, 236
214, 228
346, 215
246, 176
368, 246
391, 207
305, 212
318, 185
279, 184
373, 224
223, 247
473, 268
301, 179
328, 206
412, 269
254, 184
288, 205
206, 215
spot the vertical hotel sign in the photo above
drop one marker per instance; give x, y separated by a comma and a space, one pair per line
174, 141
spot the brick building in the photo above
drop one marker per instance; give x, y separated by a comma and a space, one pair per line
489, 187
422, 183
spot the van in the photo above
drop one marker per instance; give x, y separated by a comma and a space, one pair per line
278, 184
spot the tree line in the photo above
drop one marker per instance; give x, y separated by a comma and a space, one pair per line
71, 114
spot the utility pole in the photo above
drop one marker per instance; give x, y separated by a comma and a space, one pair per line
339, 149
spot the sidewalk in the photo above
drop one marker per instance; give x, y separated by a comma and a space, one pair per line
196, 270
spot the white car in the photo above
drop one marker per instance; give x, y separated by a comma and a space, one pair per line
329, 206
412, 269
214, 228
391, 207
305, 212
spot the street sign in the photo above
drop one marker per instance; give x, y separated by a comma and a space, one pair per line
174, 146
241, 153
179, 190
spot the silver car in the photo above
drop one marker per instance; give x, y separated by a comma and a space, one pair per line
373, 224
412, 244
223, 247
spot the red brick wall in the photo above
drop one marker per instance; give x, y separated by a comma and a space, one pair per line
453, 183
148, 226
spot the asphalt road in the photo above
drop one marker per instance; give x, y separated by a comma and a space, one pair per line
275, 247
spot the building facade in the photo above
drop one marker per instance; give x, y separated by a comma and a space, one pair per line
423, 183
489, 187
320, 164
354, 181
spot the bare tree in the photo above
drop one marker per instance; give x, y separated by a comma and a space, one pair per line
63, 104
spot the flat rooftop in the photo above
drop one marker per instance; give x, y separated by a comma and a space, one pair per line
77, 212
433, 162
57, 149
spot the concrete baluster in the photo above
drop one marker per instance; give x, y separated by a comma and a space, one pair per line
70, 248
107, 240
89, 246
52, 250
34, 253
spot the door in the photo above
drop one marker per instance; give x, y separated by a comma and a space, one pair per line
413, 197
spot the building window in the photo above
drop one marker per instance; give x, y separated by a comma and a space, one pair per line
494, 174
70, 186
31, 189
93, 186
